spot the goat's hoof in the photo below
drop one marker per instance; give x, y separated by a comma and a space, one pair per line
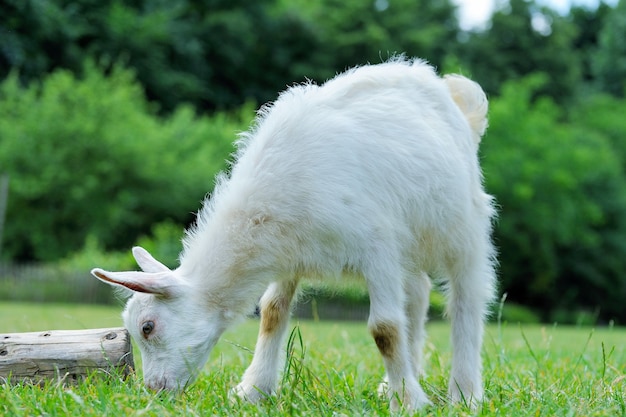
409, 404
383, 388
249, 393
471, 399
411, 400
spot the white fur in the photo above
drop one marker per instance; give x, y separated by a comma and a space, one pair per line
375, 172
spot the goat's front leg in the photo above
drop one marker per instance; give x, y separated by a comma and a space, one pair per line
261, 377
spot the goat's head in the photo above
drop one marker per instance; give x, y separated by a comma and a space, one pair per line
169, 320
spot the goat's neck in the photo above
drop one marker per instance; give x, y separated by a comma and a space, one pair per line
230, 281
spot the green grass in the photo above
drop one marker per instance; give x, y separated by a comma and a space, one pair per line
334, 369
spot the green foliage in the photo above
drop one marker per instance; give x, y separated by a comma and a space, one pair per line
89, 157
91, 255
574, 316
346, 299
524, 38
562, 194
219, 54
97, 155
51, 283
68, 280
354, 32
589, 23
609, 61
516, 313
164, 243
212, 54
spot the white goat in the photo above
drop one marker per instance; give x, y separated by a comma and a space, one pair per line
374, 172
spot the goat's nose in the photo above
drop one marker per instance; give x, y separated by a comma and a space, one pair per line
155, 384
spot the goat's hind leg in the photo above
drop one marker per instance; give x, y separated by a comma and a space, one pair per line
418, 300
417, 289
470, 294
388, 325
261, 377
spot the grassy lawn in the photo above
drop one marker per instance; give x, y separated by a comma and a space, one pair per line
334, 369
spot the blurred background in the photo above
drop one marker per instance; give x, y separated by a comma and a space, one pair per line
116, 115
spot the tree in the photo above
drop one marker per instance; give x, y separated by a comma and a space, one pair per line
524, 38
219, 54
609, 63
562, 194
212, 54
588, 23
356, 32
89, 157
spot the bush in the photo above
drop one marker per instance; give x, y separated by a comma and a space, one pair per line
516, 313
47, 283
349, 296
93, 255
89, 157
577, 317
212, 55
69, 280
164, 243
562, 194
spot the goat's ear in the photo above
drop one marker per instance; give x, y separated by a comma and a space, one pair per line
164, 284
147, 262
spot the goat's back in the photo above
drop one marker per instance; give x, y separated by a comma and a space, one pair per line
380, 155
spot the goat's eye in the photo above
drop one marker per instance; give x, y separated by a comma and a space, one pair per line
147, 327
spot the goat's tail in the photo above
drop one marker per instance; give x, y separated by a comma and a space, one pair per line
472, 101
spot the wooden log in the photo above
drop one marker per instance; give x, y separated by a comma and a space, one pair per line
66, 354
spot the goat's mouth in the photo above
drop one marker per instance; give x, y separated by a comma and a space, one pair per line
167, 384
